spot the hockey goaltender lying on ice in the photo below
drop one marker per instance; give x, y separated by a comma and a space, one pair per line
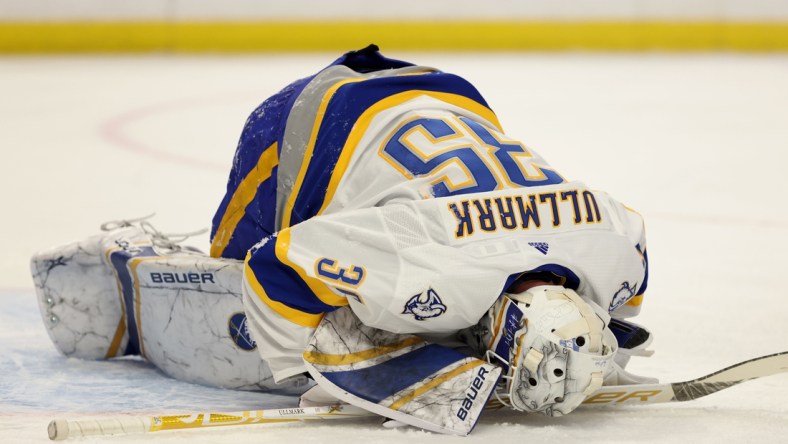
385, 248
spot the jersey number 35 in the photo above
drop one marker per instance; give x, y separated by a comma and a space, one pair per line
462, 156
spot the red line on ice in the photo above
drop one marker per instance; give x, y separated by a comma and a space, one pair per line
114, 131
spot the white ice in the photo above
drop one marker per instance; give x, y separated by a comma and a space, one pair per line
697, 143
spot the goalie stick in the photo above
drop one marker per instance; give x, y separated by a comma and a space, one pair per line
61, 429
760, 367
688, 390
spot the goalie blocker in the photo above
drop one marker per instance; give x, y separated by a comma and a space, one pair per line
118, 293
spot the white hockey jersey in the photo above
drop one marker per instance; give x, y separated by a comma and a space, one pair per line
398, 194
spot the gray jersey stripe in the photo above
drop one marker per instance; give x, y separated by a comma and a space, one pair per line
301, 120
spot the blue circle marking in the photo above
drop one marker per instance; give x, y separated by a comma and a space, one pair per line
240, 332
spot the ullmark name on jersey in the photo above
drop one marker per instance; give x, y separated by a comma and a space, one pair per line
522, 211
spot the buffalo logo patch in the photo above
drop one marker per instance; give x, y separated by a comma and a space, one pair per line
424, 307
622, 295
239, 332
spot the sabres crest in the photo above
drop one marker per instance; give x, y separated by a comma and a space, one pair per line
622, 295
239, 332
422, 307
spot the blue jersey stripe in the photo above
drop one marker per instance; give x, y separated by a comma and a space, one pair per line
264, 127
347, 104
644, 284
283, 284
257, 222
242, 213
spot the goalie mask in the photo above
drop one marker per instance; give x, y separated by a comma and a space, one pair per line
554, 348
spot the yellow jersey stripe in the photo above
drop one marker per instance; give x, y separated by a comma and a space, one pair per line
308, 320
321, 111
243, 195
635, 301
363, 122
318, 288
353, 358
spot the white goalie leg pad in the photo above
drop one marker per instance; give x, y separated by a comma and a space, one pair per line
191, 322
79, 298
117, 294
402, 377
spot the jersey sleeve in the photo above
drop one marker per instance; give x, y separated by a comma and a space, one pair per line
393, 265
630, 224
271, 144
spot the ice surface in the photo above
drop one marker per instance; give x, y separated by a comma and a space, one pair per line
697, 143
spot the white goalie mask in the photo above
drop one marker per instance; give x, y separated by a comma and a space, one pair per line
554, 348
